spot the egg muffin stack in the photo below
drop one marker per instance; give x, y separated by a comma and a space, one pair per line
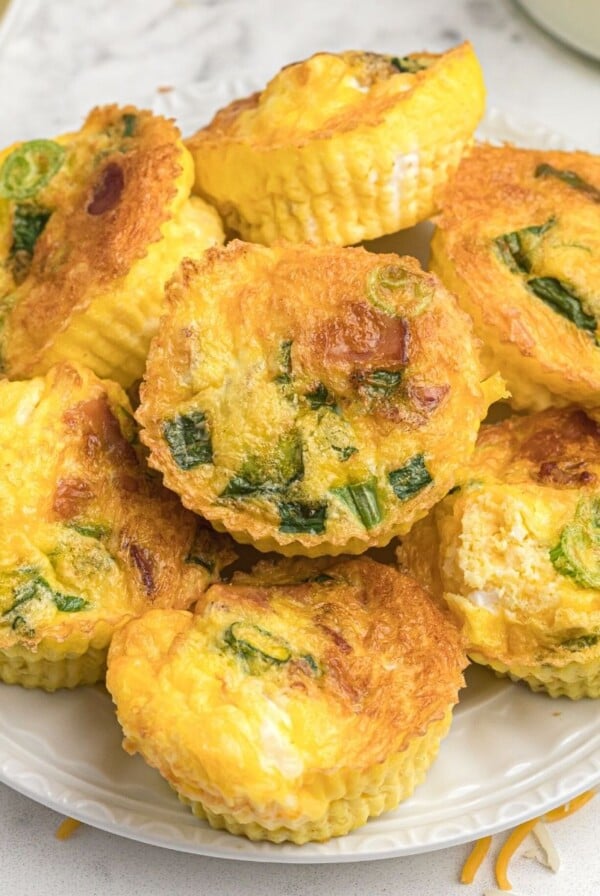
514, 549
309, 399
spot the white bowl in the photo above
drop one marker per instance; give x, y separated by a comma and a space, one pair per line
576, 22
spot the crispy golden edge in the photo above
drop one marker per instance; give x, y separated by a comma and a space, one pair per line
369, 115
78, 255
496, 183
102, 474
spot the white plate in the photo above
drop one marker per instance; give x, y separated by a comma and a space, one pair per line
510, 754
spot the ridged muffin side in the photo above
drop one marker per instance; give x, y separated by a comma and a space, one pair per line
341, 147
295, 702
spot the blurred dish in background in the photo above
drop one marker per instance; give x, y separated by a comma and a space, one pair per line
576, 23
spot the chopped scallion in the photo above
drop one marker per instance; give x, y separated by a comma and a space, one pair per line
363, 501
406, 481
30, 167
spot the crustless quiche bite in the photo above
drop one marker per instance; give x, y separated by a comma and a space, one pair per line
311, 400
295, 702
518, 242
92, 224
515, 551
89, 537
341, 147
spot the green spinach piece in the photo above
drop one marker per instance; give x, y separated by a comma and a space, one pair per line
28, 223
571, 178
129, 124
380, 383
406, 481
35, 587
320, 397
344, 453
189, 439
515, 248
90, 530
561, 299
284, 377
407, 64
302, 517
581, 642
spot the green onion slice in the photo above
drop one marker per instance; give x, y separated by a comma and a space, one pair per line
29, 168
383, 282
577, 554
363, 501
251, 642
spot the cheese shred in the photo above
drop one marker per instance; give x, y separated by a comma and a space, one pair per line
66, 828
474, 860
514, 840
570, 807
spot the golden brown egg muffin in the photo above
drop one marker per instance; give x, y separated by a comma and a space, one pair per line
341, 147
89, 537
311, 400
516, 551
92, 224
296, 702
518, 242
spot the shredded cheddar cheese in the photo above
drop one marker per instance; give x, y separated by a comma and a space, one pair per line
514, 840
474, 860
570, 807
66, 828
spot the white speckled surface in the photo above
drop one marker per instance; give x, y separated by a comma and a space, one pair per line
60, 57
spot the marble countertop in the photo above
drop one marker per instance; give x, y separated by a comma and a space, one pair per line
57, 60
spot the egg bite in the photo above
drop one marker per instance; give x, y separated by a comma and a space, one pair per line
341, 147
311, 400
518, 242
515, 551
92, 224
294, 703
89, 537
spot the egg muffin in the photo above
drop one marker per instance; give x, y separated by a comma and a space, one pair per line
89, 537
295, 702
92, 224
518, 242
311, 400
341, 147
515, 550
